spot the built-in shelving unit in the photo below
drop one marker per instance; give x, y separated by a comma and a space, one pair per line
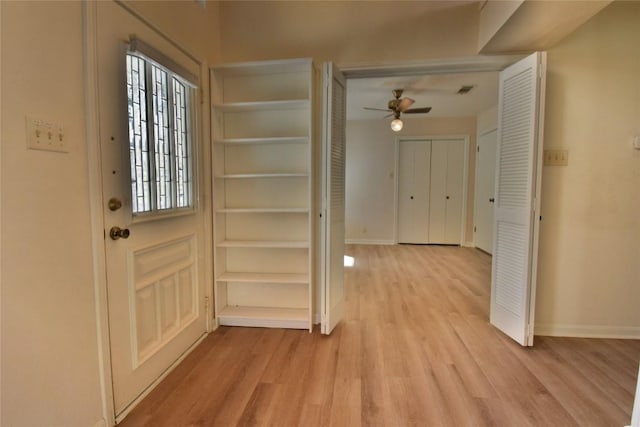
263, 193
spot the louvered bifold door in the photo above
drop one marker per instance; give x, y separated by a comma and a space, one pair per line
518, 171
334, 151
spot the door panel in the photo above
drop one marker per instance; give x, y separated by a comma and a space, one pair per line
414, 160
155, 283
519, 161
453, 198
485, 190
437, 198
447, 175
334, 151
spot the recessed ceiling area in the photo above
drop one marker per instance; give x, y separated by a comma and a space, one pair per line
438, 91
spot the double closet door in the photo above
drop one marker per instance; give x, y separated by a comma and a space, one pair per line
430, 191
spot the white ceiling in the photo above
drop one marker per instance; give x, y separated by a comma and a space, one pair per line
436, 90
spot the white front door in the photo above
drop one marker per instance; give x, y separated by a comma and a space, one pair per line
154, 264
517, 207
333, 193
485, 190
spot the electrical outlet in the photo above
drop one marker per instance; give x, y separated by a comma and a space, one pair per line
556, 157
44, 135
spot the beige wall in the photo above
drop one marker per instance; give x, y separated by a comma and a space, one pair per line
192, 24
589, 269
49, 352
49, 346
347, 32
370, 170
487, 120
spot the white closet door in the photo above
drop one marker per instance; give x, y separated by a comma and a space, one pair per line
414, 160
519, 160
437, 205
453, 197
334, 151
447, 172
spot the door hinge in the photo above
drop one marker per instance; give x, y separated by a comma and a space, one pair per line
201, 96
478, 148
206, 306
474, 229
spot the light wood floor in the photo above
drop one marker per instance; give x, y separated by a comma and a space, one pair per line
415, 349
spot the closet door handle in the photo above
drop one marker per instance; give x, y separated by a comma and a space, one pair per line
447, 197
411, 197
492, 200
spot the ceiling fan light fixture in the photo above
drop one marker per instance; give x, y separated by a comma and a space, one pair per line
396, 125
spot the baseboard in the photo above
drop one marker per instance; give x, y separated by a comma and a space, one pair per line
100, 423
589, 331
369, 242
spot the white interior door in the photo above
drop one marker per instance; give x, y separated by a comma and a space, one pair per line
155, 265
334, 151
414, 159
454, 192
485, 190
518, 173
445, 208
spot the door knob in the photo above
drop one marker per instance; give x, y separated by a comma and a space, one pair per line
411, 197
116, 233
492, 200
447, 197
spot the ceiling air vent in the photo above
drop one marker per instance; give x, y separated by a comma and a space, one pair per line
464, 89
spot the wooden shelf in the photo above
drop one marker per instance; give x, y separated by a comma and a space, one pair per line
266, 140
233, 107
264, 210
302, 279
262, 127
291, 244
268, 317
262, 175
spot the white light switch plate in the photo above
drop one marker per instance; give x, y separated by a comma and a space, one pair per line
45, 135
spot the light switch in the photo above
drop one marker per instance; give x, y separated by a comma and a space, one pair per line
556, 157
45, 135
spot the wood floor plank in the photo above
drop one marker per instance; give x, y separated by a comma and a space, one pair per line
415, 348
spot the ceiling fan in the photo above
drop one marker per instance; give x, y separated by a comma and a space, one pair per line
399, 106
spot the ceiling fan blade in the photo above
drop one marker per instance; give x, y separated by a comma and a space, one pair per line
388, 115
404, 104
375, 109
423, 110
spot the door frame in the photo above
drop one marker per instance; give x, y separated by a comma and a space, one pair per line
465, 178
98, 225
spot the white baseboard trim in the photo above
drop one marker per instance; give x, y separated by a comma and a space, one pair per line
369, 242
588, 331
100, 423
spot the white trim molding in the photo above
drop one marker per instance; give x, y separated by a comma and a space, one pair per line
588, 331
370, 242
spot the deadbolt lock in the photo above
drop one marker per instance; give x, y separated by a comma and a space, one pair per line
114, 204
